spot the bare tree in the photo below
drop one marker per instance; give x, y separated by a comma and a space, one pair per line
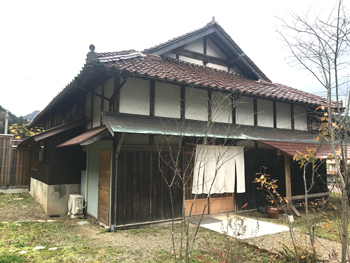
321, 44
183, 174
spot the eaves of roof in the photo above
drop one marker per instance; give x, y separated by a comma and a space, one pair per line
180, 72
81, 77
53, 131
166, 69
128, 123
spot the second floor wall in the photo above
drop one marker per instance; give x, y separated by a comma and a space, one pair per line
152, 98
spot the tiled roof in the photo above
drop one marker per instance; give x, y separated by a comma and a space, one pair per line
149, 50
115, 53
215, 25
170, 69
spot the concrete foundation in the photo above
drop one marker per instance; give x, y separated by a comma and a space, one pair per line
54, 198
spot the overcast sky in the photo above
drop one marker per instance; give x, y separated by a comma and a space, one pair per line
44, 43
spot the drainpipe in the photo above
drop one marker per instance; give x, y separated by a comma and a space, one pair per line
6, 122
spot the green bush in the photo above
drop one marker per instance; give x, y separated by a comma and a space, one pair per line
11, 259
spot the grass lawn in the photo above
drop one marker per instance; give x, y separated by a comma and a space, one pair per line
24, 227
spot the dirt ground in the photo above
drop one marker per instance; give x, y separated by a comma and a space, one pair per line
20, 207
24, 226
135, 245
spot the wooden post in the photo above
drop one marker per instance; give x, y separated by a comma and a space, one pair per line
117, 145
287, 175
288, 180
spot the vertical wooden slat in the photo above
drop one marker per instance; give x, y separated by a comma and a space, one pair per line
255, 112
183, 102
210, 105
152, 98
233, 101
287, 176
292, 115
274, 115
14, 163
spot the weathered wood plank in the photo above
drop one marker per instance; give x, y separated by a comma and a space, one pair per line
104, 186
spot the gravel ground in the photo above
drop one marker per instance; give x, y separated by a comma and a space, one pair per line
326, 248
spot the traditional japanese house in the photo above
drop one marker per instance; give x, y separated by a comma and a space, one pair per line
103, 130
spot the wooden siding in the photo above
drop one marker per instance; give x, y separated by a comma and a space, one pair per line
254, 160
104, 186
62, 165
142, 194
14, 163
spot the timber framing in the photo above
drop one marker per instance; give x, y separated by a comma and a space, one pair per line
205, 58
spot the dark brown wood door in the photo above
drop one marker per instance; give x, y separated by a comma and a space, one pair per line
104, 186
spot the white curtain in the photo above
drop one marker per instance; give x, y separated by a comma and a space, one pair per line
215, 169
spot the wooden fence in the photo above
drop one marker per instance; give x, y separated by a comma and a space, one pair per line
14, 162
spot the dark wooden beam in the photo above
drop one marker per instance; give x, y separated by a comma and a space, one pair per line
202, 57
163, 48
274, 115
179, 48
182, 102
103, 95
233, 110
92, 111
94, 93
292, 116
151, 139
204, 45
116, 89
152, 97
287, 176
210, 114
255, 112
308, 119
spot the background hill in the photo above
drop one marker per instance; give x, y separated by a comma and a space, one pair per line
13, 119
31, 116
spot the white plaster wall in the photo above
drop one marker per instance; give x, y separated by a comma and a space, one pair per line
265, 113
196, 46
108, 91
191, 60
53, 198
170, 54
167, 100
136, 139
135, 97
96, 116
300, 118
58, 195
245, 111
213, 51
211, 65
221, 107
283, 117
93, 155
196, 104
38, 190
